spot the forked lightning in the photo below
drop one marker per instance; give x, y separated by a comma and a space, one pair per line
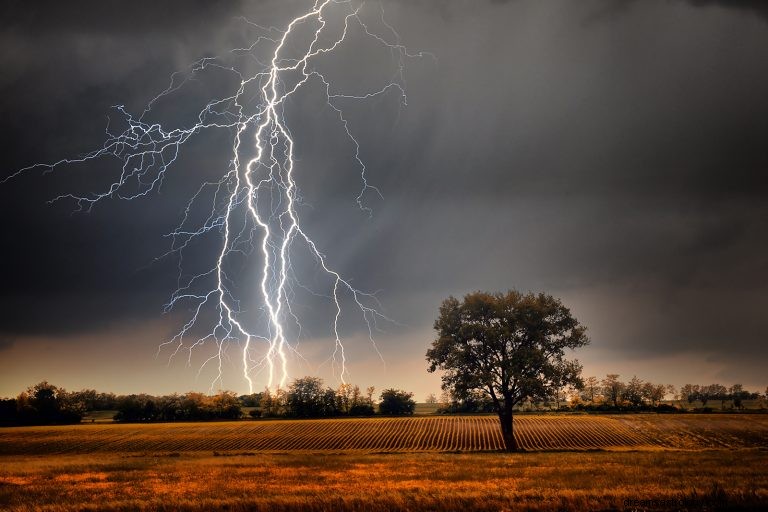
253, 206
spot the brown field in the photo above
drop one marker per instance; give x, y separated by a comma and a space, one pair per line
689, 462
412, 434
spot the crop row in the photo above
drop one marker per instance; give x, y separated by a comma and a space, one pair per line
437, 433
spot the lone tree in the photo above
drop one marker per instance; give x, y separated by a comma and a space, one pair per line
510, 346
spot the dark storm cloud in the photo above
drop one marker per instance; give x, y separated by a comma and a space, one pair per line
6, 343
111, 16
756, 7
621, 164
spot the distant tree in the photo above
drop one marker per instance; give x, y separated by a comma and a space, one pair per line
226, 405
690, 393
613, 389
306, 398
711, 392
196, 406
590, 389
470, 401
92, 400
252, 400
170, 408
87, 397
574, 396
431, 399
654, 393
273, 404
557, 395
45, 403
132, 408
345, 396
736, 393
42, 398
672, 390
720, 392
361, 405
329, 404
633, 391
396, 401
511, 346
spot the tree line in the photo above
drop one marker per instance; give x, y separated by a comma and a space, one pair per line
735, 394
306, 397
609, 394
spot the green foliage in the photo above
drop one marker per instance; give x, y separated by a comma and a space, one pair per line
509, 346
42, 404
306, 398
396, 402
191, 406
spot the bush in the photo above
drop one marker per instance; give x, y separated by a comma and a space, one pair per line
362, 410
396, 402
45, 404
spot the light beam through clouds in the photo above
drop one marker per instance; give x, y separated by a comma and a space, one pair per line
252, 207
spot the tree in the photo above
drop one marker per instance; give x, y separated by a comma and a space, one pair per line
613, 389
306, 397
690, 393
361, 405
431, 399
590, 389
719, 392
672, 390
736, 393
633, 392
510, 346
226, 405
45, 403
654, 393
396, 401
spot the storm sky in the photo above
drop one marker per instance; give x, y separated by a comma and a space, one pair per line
611, 153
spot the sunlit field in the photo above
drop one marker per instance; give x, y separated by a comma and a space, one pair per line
403, 434
428, 463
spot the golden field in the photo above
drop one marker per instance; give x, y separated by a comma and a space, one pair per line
404, 434
671, 462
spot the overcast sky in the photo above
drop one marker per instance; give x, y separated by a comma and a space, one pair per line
611, 153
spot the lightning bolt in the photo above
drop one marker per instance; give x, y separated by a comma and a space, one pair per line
253, 206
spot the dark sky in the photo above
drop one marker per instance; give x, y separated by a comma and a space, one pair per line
614, 154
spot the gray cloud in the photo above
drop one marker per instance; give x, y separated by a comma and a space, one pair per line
620, 164
6, 344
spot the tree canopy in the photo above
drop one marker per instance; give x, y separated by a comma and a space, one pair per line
396, 402
510, 346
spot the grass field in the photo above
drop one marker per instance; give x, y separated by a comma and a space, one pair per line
632, 462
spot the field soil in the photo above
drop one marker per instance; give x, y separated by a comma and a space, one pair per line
630, 462
427, 434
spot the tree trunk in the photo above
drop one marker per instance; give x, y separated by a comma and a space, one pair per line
507, 430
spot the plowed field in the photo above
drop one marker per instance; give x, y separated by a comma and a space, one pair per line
412, 434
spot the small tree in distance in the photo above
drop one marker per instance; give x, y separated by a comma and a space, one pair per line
396, 401
510, 346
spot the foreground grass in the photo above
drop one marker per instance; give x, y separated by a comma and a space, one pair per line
711, 480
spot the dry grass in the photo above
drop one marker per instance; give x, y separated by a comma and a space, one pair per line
664, 462
413, 481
